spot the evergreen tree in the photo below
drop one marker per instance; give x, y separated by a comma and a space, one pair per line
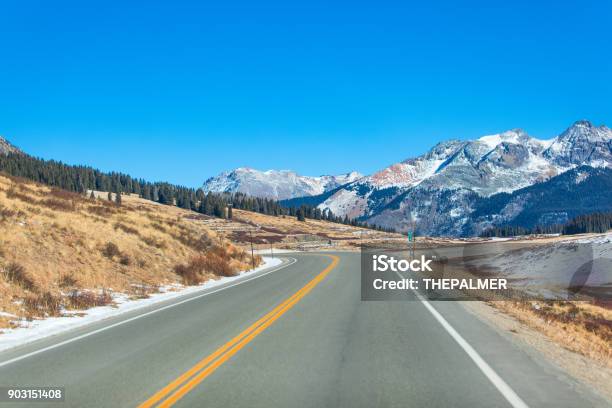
218, 210
80, 187
146, 192
165, 196
199, 194
300, 215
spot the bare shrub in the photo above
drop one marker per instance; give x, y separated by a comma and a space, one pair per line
219, 251
59, 205
126, 228
15, 273
125, 259
13, 193
43, 304
110, 250
143, 209
200, 243
564, 312
158, 226
578, 326
190, 275
101, 210
34, 210
6, 213
77, 299
215, 261
154, 242
239, 255
67, 281
65, 195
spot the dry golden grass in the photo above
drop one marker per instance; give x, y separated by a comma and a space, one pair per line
288, 232
63, 250
583, 327
577, 326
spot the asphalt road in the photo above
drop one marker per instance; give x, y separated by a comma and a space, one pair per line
296, 337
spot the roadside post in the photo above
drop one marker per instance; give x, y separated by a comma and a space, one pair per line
412, 240
252, 253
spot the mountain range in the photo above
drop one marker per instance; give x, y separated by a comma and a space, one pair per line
276, 184
463, 187
458, 188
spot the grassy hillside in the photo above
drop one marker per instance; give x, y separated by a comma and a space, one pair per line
61, 250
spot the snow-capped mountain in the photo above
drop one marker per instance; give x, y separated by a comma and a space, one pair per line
582, 143
444, 190
582, 190
277, 184
438, 189
6, 147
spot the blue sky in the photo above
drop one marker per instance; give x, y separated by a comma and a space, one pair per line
180, 91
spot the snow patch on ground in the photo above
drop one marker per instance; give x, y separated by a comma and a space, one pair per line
601, 239
276, 251
38, 329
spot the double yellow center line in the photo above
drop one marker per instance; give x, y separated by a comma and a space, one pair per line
179, 387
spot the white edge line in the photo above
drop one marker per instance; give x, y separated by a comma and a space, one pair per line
82, 336
503, 387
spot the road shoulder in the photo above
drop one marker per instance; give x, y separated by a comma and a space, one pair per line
96, 318
590, 373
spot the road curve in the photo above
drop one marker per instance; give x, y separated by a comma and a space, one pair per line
296, 337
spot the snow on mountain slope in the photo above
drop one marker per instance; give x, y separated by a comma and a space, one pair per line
437, 188
346, 202
411, 172
514, 136
277, 184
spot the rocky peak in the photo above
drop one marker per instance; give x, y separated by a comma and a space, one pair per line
582, 143
6, 147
